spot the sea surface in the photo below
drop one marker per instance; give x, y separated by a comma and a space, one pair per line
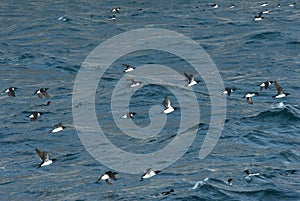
43, 45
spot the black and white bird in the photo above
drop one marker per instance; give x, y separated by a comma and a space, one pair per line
42, 92
191, 79
149, 173
258, 17
265, 84
168, 107
264, 4
134, 83
128, 68
214, 5
229, 181
45, 158
57, 128
168, 192
250, 175
116, 10
35, 115
280, 92
128, 115
10, 91
107, 177
228, 91
249, 96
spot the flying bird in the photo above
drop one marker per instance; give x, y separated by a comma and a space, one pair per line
228, 91
249, 96
107, 177
265, 84
280, 92
168, 107
191, 79
42, 92
149, 173
45, 158
10, 91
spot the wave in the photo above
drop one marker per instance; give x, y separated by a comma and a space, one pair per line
279, 115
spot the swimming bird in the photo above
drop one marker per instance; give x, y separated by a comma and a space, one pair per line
168, 192
264, 4
258, 17
149, 173
168, 107
214, 5
292, 4
35, 115
280, 92
128, 115
249, 96
229, 181
107, 177
228, 91
64, 19
46, 104
232, 6
265, 84
116, 10
135, 83
249, 175
10, 91
191, 79
45, 158
265, 11
128, 68
42, 92
57, 127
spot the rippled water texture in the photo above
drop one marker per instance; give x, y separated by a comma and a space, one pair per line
37, 50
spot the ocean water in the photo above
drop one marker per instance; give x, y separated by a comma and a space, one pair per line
37, 50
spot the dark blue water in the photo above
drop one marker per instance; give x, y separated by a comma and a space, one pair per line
38, 50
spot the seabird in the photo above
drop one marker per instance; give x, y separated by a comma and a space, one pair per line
232, 6
264, 4
266, 11
128, 115
35, 115
168, 107
149, 173
214, 5
57, 127
128, 68
64, 19
135, 83
249, 175
292, 5
10, 91
191, 79
228, 91
116, 10
107, 177
249, 96
168, 192
258, 17
45, 158
280, 92
46, 104
229, 181
265, 84
42, 92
